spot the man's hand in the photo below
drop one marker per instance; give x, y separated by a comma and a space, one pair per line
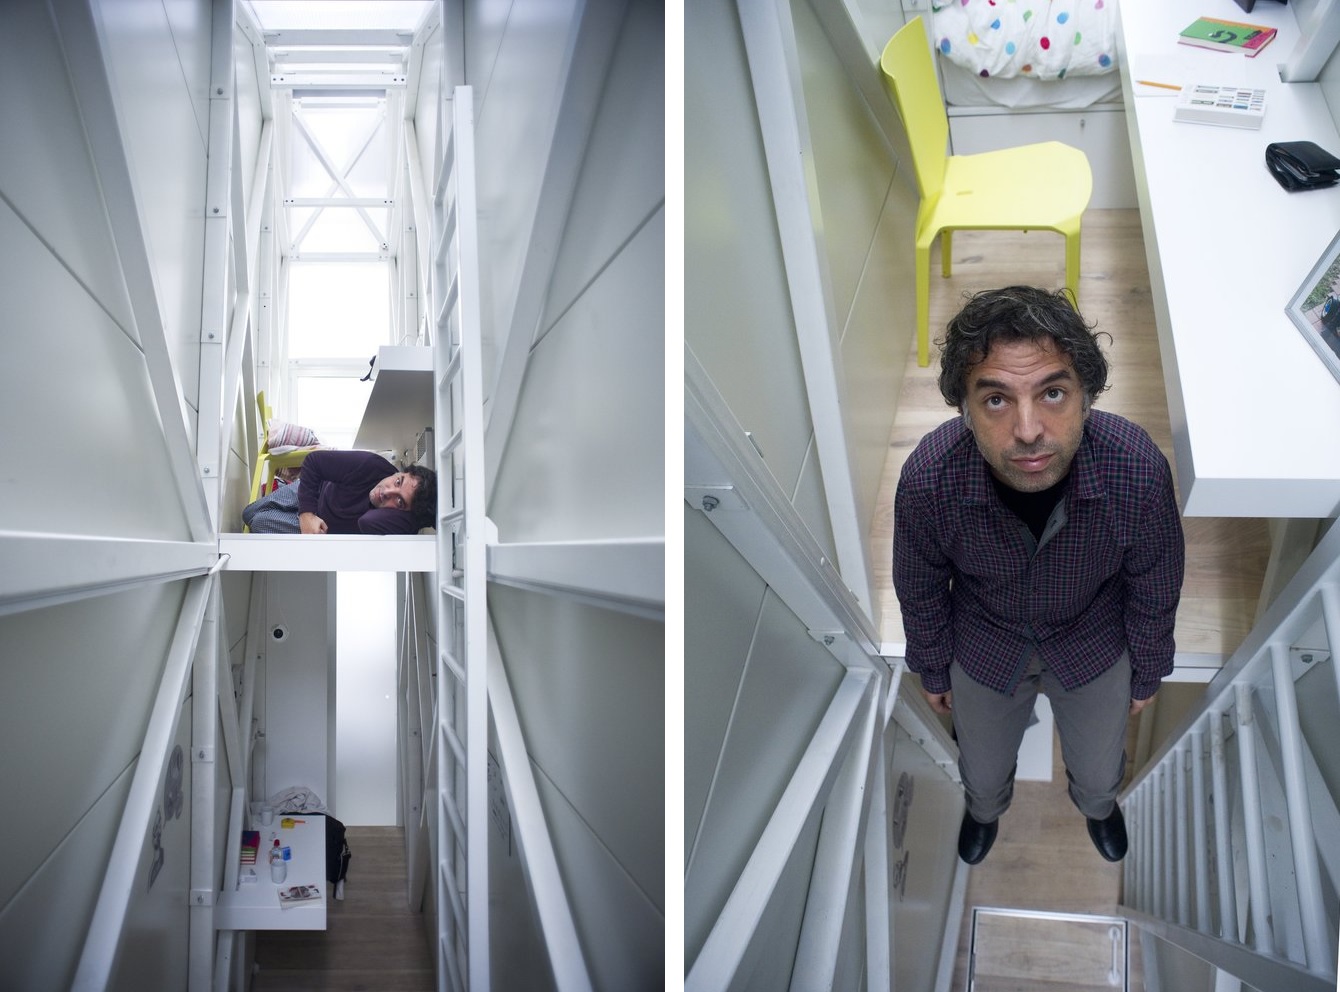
941, 702
310, 523
1138, 704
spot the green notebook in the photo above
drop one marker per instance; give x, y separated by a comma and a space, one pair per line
1227, 36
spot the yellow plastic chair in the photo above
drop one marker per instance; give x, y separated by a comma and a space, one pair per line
267, 462
1043, 186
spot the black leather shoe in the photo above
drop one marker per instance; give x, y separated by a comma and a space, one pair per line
1109, 835
975, 839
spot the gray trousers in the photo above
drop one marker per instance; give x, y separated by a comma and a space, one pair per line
1091, 721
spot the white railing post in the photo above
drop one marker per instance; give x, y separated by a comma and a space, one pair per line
1307, 871
1200, 833
1179, 758
1228, 917
1258, 884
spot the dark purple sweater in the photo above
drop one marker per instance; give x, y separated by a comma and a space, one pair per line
336, 486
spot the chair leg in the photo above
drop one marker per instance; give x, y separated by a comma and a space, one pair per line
923, 276
946, 252
1072, 264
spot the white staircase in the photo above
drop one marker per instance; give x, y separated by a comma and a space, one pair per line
1235, 835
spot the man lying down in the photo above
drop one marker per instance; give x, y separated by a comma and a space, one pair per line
348, 492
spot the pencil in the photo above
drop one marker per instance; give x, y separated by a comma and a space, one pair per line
1162, 86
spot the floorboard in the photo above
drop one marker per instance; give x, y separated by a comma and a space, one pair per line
372, 941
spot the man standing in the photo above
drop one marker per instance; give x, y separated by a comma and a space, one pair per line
1037, 547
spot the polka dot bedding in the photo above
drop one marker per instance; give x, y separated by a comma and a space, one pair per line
1039, 39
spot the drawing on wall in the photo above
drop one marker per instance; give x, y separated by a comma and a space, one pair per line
170, 809
1315, 308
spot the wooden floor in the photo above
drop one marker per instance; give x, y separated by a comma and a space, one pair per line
371, 942
1043, 858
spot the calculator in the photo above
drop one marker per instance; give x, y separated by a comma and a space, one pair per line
1228, 106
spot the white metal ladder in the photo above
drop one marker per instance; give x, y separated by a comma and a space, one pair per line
1235, 834
460, 740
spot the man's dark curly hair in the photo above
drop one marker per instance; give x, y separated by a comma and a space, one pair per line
424, 504
1018, 313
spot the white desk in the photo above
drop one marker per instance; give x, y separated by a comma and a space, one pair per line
255, 905
1254, 411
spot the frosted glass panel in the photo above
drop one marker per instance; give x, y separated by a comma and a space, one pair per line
338, 309
330, 405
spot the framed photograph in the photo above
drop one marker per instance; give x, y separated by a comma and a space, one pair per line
1315, 308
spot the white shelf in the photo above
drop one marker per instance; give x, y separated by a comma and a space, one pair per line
329, 552
401, 403
255, 905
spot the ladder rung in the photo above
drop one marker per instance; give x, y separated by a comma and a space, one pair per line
452, 370
455, 592
451, 884
452, 515
454, 667
454, 742
450, 444
454, 815
448, 302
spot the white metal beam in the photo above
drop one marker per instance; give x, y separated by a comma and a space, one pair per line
726, 477
627, 575
736, 928
769, 40
44, 569
204, 786
837, 862
581, 82
82, 38
103, 938
544, 880
1260, 971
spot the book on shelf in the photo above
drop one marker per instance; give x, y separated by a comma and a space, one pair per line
251, 842
292, 895
1227, 36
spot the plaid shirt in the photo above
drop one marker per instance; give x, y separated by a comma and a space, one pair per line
976, 587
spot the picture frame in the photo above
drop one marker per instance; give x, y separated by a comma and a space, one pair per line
1315, 307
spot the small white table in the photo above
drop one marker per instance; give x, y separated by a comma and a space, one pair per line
1254, 411
255, 905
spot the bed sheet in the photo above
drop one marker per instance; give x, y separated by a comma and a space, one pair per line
1033, 39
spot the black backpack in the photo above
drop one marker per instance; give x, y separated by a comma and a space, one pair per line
337, 851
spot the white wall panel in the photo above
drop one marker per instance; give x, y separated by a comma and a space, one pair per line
585, 459
42, 928
73, 383
737, 311
250, 115
589, 690
788, 683
76, 688
157, 111
771, 957
722, 598
876, 347
299, 685
919, 912
623, 177
621, 926
46, 175
236, 589
154, 944
811, 502
852, 164
515, 114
